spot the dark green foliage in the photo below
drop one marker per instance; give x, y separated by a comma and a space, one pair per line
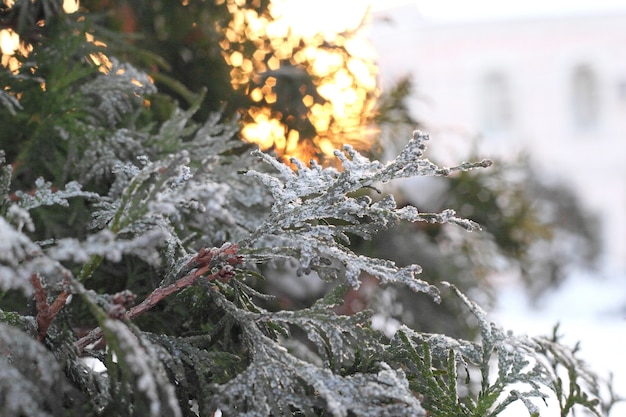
178, 42
23, 16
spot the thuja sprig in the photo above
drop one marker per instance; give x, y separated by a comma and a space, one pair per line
511, 368
437, 385
571, 383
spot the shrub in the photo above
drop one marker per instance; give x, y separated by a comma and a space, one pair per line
144, 245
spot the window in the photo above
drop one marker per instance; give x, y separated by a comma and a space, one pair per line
585, 110
497, 112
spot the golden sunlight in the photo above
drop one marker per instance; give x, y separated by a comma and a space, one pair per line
70, 6
10, 45
98, 58
9, 41
312, 80
309, 75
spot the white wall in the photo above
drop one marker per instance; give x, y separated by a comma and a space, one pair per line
448, 62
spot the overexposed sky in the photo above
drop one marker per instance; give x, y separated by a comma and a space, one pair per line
308, 16
489, 9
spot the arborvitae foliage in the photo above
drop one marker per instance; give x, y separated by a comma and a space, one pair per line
143, 246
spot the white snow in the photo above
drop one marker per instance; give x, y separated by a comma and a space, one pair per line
590, 308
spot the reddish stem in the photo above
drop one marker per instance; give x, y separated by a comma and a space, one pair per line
202, 264
46, 312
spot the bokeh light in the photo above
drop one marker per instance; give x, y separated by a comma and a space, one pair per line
10, 42
311, 91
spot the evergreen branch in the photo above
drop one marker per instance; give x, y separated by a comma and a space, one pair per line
10, 102
155, 192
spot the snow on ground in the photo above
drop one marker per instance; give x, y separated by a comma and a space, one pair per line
591, 309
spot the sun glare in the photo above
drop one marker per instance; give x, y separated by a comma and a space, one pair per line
296, 42
10, 45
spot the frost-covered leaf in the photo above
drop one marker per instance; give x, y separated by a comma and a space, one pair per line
276, 383
336, 338
149, 392
16, 250
571, 380
20, 218
117, 92
45, 195
146, 191
108, 246
432, 362
6, 172
193, 369
512, 368
9, 102
20, 259
105, 152
316, 209
32, 382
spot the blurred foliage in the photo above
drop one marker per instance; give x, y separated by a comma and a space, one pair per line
178, 43
297, 96
531, 231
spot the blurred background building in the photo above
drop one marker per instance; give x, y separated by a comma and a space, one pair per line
553, 87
